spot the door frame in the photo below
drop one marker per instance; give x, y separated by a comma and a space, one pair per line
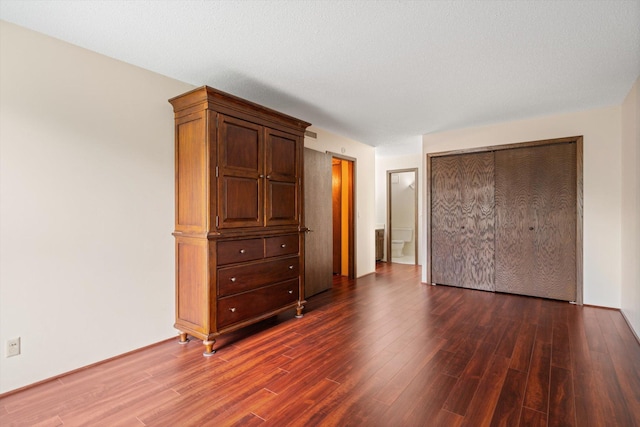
351, 214
415, 213
578, 140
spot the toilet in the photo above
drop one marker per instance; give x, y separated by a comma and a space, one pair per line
400, 236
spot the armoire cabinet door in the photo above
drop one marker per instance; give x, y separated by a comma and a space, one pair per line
462, 220
241, 174
282, 170
536, 221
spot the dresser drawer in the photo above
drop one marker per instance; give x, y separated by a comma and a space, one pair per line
232, 251
241, 278
236, 308
281, 245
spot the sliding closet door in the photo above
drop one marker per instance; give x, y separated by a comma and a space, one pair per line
535, 206
462, 220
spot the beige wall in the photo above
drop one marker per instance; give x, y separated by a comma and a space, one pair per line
602, 184
86, 212
86, 189
365, 191
631, 207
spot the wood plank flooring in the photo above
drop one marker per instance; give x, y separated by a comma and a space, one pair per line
383, 350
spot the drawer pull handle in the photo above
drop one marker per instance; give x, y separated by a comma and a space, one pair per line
290, 291
242, 251
232, 309
233, 279
291, 267
283, 245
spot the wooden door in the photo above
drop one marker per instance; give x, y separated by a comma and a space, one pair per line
318, 219
282, 170
462, 220
536, 221
241, 176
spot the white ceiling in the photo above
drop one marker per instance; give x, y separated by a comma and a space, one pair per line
380, 72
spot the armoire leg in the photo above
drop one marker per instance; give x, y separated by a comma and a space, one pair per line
183, 338
209, 348
299, 311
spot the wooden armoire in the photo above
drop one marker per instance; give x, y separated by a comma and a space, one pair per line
239, 231
508, 218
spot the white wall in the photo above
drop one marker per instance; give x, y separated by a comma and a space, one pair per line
86, 212
87, 205
631, 207
601, 129
365, 191
387, 163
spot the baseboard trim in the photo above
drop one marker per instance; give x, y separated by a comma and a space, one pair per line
92, 365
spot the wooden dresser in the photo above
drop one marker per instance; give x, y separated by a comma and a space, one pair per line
239, 230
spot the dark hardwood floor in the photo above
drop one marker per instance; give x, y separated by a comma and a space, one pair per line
383, 350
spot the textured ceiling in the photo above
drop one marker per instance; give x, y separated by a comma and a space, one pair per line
380, 72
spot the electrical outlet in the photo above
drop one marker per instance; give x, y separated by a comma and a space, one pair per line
13, 347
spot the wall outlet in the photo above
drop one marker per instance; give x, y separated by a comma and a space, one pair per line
13, 347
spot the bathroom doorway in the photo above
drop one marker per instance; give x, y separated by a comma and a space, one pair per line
402, 216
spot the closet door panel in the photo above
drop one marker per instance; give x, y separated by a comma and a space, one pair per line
446, 257
554, 216
515, 265
536, 221
477, 225
462, 250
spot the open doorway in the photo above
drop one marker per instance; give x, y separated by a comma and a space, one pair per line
343, 195
402, 216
